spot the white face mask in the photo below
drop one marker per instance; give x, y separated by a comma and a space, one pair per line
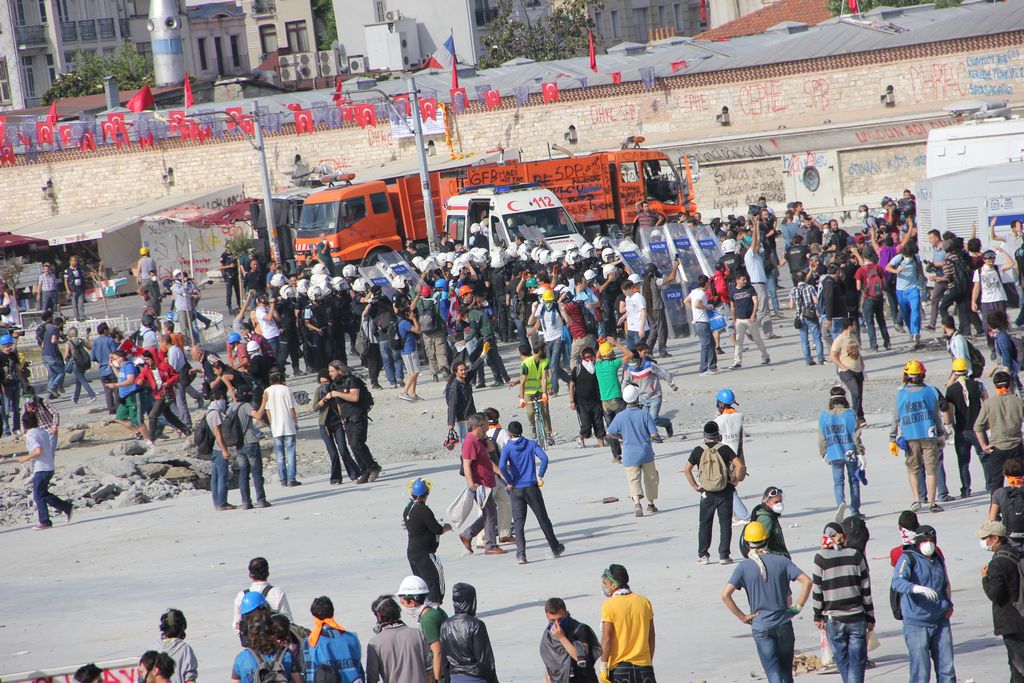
778, 508
412, 613
983, 542
927, 548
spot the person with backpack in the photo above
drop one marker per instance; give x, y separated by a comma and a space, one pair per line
635, 428
841, 601
332, 431
718, 472
263, 659
408, 331
278, 401
241, 433
569, 649
840, 446
274, 596
998, 429
357, 401
1005, 347
922, 584
909, 275
765, 577
78, 361
581, 323
432, 330
49, 339
129, 410
397, 653
160, 378
385, 325
209, 441
331, 653
585, 399
1001, 581
965, 396
768, 512
1007, 504
870, 279
960, 348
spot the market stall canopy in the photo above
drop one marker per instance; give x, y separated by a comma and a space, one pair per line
239, 211
96, 223
186, 213
8, 240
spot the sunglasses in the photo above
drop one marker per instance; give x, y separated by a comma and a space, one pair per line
772, 493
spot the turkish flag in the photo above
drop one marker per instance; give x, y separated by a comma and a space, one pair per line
338, 96
88, 141
402, 104
51, 117
428, 109
3, 131
549, 91
294, 107
65, 135
175, 121
366, 115
146, 141
854, 6
7, 157
676, 66
493, 99
348, 114
189, 99
303, 121
235, 118
141, 101
44, 133
616, 77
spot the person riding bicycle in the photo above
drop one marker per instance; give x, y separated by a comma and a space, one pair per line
534, 383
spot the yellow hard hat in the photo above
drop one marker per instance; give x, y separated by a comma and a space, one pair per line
547, 295
959, 365
754, 532
913, 368
605, 350
144, 251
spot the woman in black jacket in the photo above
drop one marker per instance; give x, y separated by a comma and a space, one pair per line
465, 646
459, 391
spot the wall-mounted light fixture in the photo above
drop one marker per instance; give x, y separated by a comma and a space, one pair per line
723, 118
49, 194
571, 136
888, 98
167, 177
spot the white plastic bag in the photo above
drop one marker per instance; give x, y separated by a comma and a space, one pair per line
460, 508
826, 652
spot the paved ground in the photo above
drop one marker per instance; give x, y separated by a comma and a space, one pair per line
94, 590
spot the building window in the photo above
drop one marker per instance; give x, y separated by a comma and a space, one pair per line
51, 68
483, 13
298, 39
615, 24
19, 13
661, 17
62, 10
218, 51
268, 39
597, 21
236, 56
42, 12
640, 24
28, 75
201, 49
677, 18
380, 8
5, 82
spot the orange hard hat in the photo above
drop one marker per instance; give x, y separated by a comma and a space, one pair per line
464, 290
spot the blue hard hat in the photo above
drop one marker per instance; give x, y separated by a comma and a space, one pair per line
420, 488
252, 600
234, 338
726, 397
6, 339
441, 284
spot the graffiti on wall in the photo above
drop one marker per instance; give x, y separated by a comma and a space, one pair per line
735, 186
994, 74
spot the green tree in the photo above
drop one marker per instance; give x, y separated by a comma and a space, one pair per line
838, 7
326, 26
126, 65
560, 34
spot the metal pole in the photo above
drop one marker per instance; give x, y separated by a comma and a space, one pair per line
428, 196
268, 197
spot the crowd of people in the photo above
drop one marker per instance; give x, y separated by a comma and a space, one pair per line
582, 318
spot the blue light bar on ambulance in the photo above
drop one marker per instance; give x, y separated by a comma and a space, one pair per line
517, 186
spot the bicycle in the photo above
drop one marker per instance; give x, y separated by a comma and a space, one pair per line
540, 424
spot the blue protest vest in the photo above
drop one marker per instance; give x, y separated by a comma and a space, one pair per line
916, 409
838, 431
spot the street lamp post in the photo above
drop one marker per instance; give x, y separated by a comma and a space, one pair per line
428, 198
268, 197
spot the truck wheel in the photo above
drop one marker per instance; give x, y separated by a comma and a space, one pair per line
374, 256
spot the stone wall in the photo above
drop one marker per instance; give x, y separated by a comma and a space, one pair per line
761, 100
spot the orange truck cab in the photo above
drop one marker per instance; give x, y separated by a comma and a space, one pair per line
362, 220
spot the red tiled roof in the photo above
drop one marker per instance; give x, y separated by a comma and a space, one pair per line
810, 12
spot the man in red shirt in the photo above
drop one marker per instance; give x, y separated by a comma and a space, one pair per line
870, 280
480, 470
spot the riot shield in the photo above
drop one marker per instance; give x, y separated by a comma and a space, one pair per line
394, 266
655, 240
376, 277
708, 249
630, 253
682, 244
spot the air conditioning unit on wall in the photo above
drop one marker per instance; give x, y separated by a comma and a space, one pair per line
357, 64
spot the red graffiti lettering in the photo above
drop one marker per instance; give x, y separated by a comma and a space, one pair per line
816, 91
600, 114
759, 99
932, 82
378, 138
692, 102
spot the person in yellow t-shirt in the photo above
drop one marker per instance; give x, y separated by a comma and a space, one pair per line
627, 631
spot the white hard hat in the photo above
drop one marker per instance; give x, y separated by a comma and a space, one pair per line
498, 259
253, 347
400, 282
177, 272
635, 279
303, 286
449, 256
544, 258
359, 285
587, 250
562, 289
728, 246
600, 242
557, 255
336, 282
349, 271
287, 291
474, 229
608, 253
318, 269
524, 250
315, 292
278, 280
631, 393
589, 274
412, 585
428, 264
608, 269
417, 262
570, 259
319, 281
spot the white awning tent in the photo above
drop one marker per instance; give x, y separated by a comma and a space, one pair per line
116, 229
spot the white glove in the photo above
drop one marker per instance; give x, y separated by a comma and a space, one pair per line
927, 592
948, 429
861, 462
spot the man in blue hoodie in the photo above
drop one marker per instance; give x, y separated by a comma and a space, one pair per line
518, 467
921, 579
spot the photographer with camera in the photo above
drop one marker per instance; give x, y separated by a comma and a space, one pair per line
265, 320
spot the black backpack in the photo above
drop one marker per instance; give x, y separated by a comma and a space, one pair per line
40, 334
270, 670
427, 315
977, 360
231, 428
589, 321
1012, 513
202, 436
960, 283
1018, 600
393, 336
81, 355
895, 596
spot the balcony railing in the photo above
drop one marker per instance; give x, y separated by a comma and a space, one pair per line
87, 30
69, 30
107, 29
263, 7
30, 36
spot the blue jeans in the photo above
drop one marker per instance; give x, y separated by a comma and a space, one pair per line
11, 411
811, 331
55, 367
835, 327
708, 357
910, 308
845, 467
632, 339
218, 478
78, 302
393, 368
874, 313
81, 381
849, 643
521, 331
775, 650
285, 446
653, 406
963, 442
250, 468
928, 644
772, 284
44, 499
554, 351
49, 300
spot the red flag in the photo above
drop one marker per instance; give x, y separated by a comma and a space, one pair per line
294, 106
7, 157
338, 95
44, 133
854, 6
3, 131
235, 118
26, 141
616, 77
189, 100
65, 135
88, 141
593, 54
401, 103
703, 11
303, 121
51, 117
348, 114
458, 93
141, 101
681, 64
366, 115
176, 121
428, 109
146, 141
549, 91
493, 99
